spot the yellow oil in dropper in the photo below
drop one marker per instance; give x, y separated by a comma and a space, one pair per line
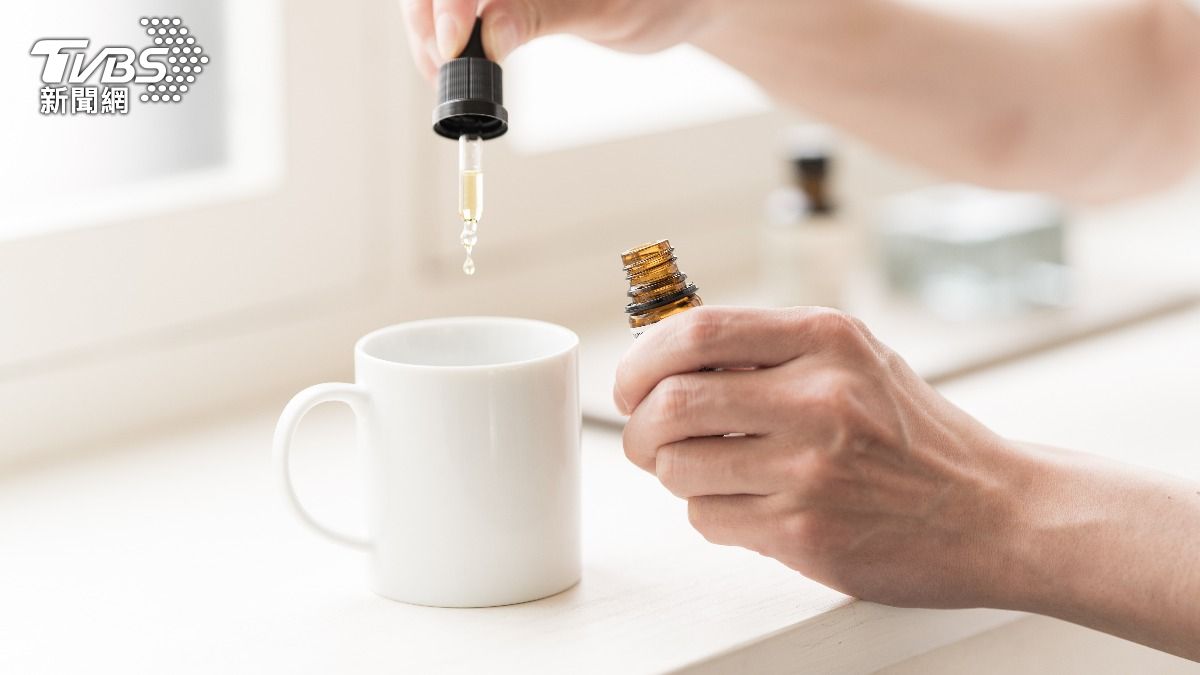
470, 108
470, 194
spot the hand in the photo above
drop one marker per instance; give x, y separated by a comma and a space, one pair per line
438, 29
851, 470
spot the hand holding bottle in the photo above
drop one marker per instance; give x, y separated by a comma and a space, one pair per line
852, 469
849, 468
438, 29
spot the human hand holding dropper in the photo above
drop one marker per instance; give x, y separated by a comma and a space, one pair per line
1092, 101
438, 29
853, 470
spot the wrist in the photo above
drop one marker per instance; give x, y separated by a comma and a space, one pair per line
1108, 546
1061, 513
1021, 526
1001, 551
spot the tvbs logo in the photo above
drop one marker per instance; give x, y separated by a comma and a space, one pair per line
168, 69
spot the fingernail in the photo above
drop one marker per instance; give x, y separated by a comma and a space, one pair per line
446, 29
501, 37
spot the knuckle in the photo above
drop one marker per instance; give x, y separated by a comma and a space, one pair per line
828, 392
813, 478
823, 472
840, 332
797, 469
832, 324
802, 470
833, 393
697, 329
859, 326
675, 399
808, 531
839, 402
798, 528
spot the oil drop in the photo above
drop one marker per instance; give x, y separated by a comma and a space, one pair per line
468, 239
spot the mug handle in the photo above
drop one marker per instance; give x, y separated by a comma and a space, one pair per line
352, 395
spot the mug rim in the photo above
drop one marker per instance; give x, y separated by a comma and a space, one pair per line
360, 350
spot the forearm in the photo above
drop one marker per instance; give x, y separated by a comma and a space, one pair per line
1091, 102
1110, 547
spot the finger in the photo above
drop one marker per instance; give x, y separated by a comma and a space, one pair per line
732, 520
452, 24
418, 24
425, 64
750, 465
508, 24
696, 405
725, 337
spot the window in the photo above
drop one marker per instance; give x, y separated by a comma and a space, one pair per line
244, 243
157, 255
87, 170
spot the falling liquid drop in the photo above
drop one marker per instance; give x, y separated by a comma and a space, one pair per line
468, 239
470, 233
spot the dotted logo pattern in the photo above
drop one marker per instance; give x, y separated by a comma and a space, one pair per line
185, 60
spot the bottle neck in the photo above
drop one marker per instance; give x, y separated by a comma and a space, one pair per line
657, 289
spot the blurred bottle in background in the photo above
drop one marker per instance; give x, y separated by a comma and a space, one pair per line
807, 250
968, 253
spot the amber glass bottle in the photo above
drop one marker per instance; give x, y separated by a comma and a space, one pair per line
657, 289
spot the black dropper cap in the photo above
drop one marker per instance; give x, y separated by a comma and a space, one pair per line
470, 97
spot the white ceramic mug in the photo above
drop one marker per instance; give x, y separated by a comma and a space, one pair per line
471, 429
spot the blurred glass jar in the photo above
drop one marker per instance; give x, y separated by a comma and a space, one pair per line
968, 252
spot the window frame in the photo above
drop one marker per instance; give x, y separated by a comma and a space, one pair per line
238, 301
117, 325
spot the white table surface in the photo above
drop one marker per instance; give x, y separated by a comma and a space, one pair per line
176, 555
